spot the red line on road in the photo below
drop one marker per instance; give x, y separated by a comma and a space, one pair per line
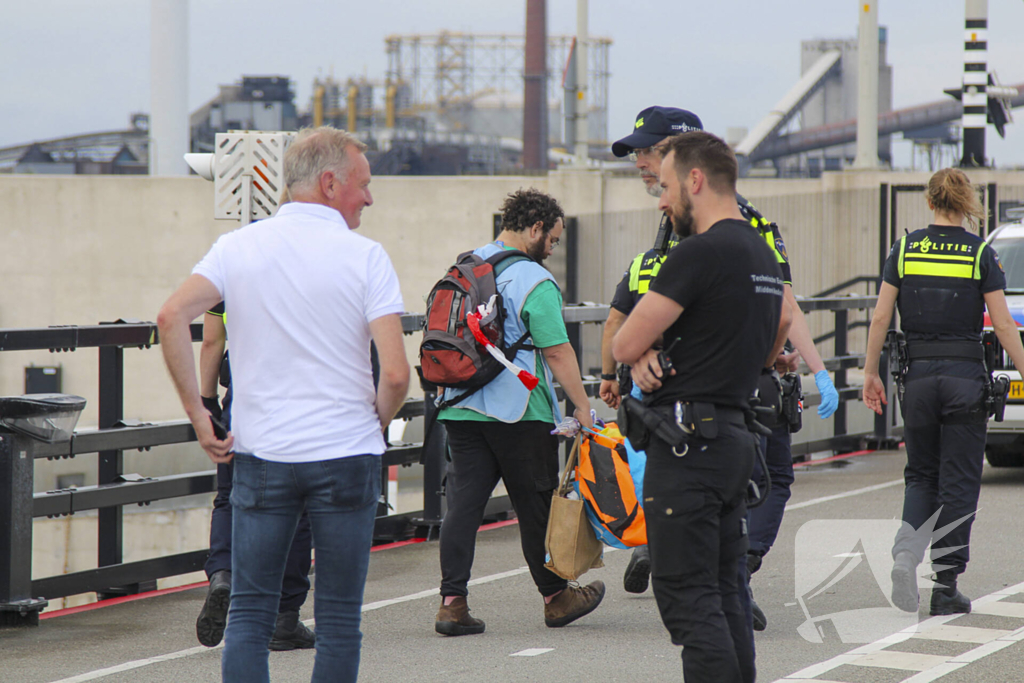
117, 601
396, 544
844, 456
178, 589
498, 525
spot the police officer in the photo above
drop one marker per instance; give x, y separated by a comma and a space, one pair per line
289, 632
717, 304
941, 278
653, 125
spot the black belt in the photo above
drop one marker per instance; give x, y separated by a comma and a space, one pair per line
723, 413
940, 350
731, 414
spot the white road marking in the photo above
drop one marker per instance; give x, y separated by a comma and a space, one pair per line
988, 604
893, 659
849, 555
138, 663
962, 634
1002, 609
966, 658
369, 607
532, 652
845, 494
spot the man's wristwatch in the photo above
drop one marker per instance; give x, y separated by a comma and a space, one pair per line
611, 377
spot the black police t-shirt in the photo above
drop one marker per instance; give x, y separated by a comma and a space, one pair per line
624, 300
730, 287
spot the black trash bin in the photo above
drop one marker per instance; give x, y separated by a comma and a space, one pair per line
47, 417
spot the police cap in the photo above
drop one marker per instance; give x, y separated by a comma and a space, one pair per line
653, 125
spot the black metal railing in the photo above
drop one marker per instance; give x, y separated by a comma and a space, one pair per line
21, 598
20, 595
883, 433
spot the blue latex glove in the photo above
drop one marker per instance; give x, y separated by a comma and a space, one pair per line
829, 395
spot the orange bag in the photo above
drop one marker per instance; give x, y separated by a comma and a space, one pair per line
606, 484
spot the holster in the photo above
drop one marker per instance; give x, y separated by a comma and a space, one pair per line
769, 394
899, 363
639, 422
792, 401
995, 397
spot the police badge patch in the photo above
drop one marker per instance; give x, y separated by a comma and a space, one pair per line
780, 247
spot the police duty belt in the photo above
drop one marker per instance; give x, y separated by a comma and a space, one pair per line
677, 423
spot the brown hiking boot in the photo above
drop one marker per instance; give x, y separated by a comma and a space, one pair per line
454, 619
572, 603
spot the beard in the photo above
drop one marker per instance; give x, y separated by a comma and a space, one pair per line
536, 250
654, 190
682, 218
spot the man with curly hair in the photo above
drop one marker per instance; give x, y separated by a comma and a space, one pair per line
503, 431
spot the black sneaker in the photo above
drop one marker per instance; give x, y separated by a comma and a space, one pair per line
760, 620
638, 571
291, 634
949, 601
214, 615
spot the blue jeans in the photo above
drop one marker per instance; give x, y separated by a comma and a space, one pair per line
268, 498
295, 586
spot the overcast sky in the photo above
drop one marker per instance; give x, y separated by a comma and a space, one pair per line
78, 66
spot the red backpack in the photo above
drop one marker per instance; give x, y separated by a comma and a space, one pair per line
450, 356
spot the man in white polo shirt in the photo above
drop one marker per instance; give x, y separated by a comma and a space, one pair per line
307, 296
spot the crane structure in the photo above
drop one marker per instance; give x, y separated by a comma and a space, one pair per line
454, 74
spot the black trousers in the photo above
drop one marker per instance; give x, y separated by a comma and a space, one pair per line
944, 460
695, 507
525, 456
295, 585
766, 519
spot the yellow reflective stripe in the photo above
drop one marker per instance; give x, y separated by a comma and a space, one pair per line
769, 239
644, 276
977, 262
899, 261
914, 267
941, 257
634, 272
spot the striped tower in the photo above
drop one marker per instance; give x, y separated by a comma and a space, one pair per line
975, 98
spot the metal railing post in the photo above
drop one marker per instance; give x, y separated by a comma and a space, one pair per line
17, 606
111, 463
110, 527
882, 431
840, 350
433, 465
575, 332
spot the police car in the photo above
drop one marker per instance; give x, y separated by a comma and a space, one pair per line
1004, 446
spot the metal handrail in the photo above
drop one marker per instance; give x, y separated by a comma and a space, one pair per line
115, 489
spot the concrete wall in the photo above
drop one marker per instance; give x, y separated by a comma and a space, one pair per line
85, 249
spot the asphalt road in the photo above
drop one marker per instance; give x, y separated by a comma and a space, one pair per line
825, 580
